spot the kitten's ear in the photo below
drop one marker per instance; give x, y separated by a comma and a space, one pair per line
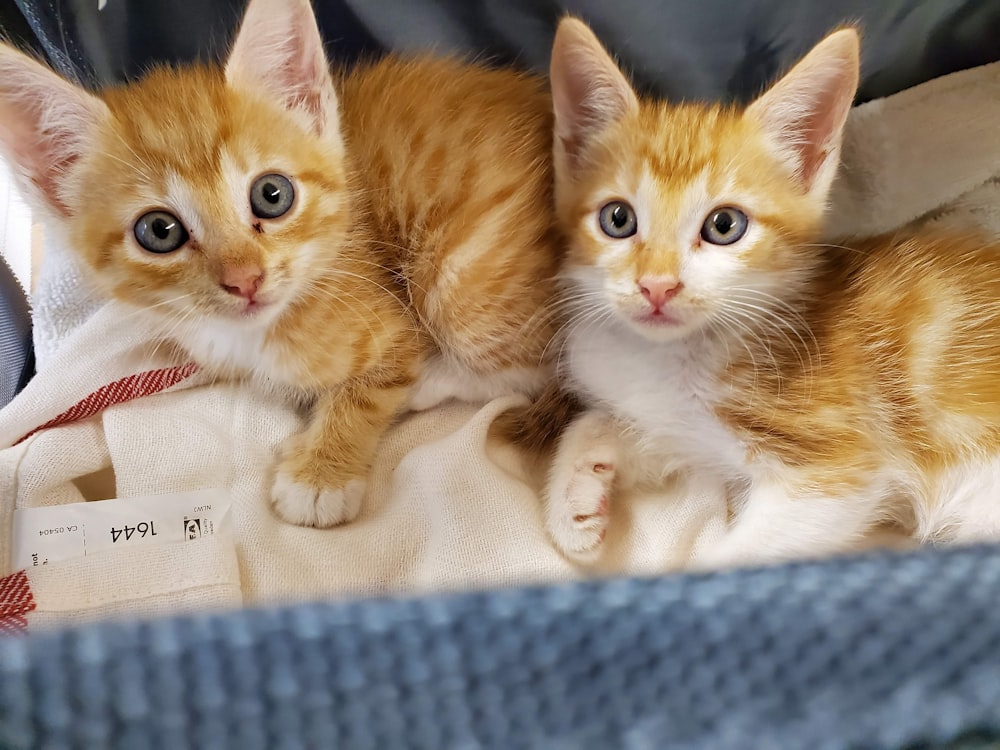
279, 50
46, 124
589, 92
804, 113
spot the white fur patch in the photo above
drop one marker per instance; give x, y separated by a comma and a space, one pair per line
183, 201
303, 505
237, 182
776, 524
963, 505
667, 390
241, 348
442, 379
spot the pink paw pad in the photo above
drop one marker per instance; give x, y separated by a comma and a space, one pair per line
602, 510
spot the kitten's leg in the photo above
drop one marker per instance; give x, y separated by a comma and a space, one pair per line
323, 472
583, 475
777, 524
442, 379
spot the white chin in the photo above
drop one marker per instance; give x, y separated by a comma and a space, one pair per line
254, 316
269, 314
655, 330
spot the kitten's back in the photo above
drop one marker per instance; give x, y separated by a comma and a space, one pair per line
456, 156
938, 294
900, 359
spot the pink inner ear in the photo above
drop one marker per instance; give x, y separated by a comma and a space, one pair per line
816, 150
278, 50
804, 113
586, 123
824, 124
307, 83
57, 159
589, 91
45, 123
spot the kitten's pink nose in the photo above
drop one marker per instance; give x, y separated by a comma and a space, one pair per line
242, 281
659, 291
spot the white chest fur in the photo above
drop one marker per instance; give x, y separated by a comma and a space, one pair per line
664, 390
235, 348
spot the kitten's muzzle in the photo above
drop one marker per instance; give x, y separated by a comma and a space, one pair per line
659, 291
242, 281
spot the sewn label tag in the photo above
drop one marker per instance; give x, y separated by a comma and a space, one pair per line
63, 532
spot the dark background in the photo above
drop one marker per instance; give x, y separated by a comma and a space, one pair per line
694, 49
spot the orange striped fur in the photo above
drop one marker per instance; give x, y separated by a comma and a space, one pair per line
412, 267
824, 389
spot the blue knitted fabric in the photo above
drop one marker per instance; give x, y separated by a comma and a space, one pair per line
882, 651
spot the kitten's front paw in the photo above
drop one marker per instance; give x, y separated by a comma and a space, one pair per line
299, 501
579, 502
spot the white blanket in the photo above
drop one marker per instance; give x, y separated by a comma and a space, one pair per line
447, 508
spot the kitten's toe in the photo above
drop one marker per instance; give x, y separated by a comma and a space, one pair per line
303, 504
578, 511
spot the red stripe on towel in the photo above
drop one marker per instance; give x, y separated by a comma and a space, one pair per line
16, 601
128, 388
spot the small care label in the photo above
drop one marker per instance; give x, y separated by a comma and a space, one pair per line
63, 532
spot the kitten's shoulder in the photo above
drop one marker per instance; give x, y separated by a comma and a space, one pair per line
929, 239
911, 275
916, 251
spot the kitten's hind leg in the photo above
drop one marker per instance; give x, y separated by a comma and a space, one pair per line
777, 524
581, 481
964, 505
442, 379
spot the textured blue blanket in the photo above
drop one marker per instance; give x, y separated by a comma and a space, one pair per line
883, 651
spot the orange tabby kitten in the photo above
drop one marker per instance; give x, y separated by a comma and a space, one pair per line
366, 245
824, 389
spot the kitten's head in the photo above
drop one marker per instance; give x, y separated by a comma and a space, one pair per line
198, 189
687, 216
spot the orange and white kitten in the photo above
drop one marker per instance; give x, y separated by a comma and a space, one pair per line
365, 244
824, 389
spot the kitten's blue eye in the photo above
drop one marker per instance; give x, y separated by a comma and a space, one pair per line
160, 232
618, 220
271, 196
724, 226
